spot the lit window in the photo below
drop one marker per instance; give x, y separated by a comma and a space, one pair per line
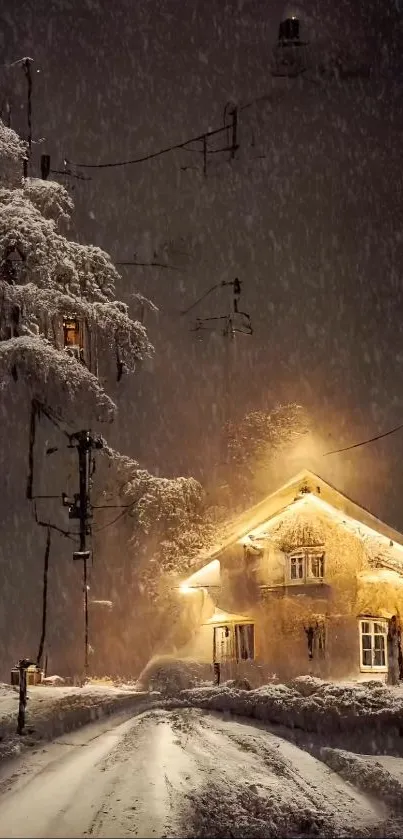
306, 566
71, 332
316, 566
297, 567
373, 644
244, 641
234, 642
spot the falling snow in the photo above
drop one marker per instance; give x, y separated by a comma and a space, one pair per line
225, 238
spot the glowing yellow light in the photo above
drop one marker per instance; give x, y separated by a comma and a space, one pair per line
208, 575
381, 575
308, 499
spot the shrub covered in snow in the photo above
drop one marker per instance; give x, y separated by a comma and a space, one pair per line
306, 685
238, 684
170, 675
370, 715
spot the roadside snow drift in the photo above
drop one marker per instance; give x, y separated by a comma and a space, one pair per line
52, 711
184, 773
367, 716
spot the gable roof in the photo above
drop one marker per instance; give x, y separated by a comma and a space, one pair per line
283, 498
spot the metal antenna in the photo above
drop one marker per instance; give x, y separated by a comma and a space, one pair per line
228, 324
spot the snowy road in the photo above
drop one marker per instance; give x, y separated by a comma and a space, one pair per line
180, 773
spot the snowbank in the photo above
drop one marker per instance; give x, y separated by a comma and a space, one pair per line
363, 716
171, 675
53, 711
380, 775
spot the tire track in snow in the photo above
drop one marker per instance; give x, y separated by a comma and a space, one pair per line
186, 773
313, 799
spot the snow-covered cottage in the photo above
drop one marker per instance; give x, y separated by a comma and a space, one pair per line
306, 581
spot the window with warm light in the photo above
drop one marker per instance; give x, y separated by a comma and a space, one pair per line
306, 566
244, 641
234, 642
71, 332
316, 566
373, 644
297, 567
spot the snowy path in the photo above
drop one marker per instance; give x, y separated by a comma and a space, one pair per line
179, 773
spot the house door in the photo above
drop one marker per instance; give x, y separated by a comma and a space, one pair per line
223, 643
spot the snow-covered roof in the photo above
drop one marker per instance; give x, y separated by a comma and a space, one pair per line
220, 617
303, 486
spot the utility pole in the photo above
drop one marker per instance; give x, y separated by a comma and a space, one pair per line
83, 448
26, 63
80, 508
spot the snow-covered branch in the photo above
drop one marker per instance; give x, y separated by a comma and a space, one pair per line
38, 306
54, 379
50, 198
12, 153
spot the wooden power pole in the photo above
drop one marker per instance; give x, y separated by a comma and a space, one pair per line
81, 509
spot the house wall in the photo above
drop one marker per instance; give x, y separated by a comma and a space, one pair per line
257, 587
200, 647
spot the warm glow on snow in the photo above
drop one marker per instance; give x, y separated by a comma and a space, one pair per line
310, 499
209, 575
383, 575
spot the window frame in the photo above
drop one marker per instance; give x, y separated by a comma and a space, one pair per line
306, 555
232, 651
300, 562
237, 641
373, 668
77, 329
318, 556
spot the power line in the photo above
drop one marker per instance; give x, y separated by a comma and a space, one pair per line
230, 110
206, 293
166, 150
150, 265
110, 506
365, 442
125, 511
67, 533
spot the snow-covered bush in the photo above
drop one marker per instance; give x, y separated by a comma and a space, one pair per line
306, 685
170, 675
349, 713
239, 684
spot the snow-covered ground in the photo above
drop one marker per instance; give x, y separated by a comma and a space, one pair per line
363, 716
380, 774
182, 773
53, 710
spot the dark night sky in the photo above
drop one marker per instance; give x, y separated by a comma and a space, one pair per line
309, 215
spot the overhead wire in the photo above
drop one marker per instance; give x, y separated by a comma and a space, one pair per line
176, 146
366, 442
151, 156
124, 512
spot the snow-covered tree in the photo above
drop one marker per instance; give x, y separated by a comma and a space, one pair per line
57, 297
257, 439
59, 322
141, 552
